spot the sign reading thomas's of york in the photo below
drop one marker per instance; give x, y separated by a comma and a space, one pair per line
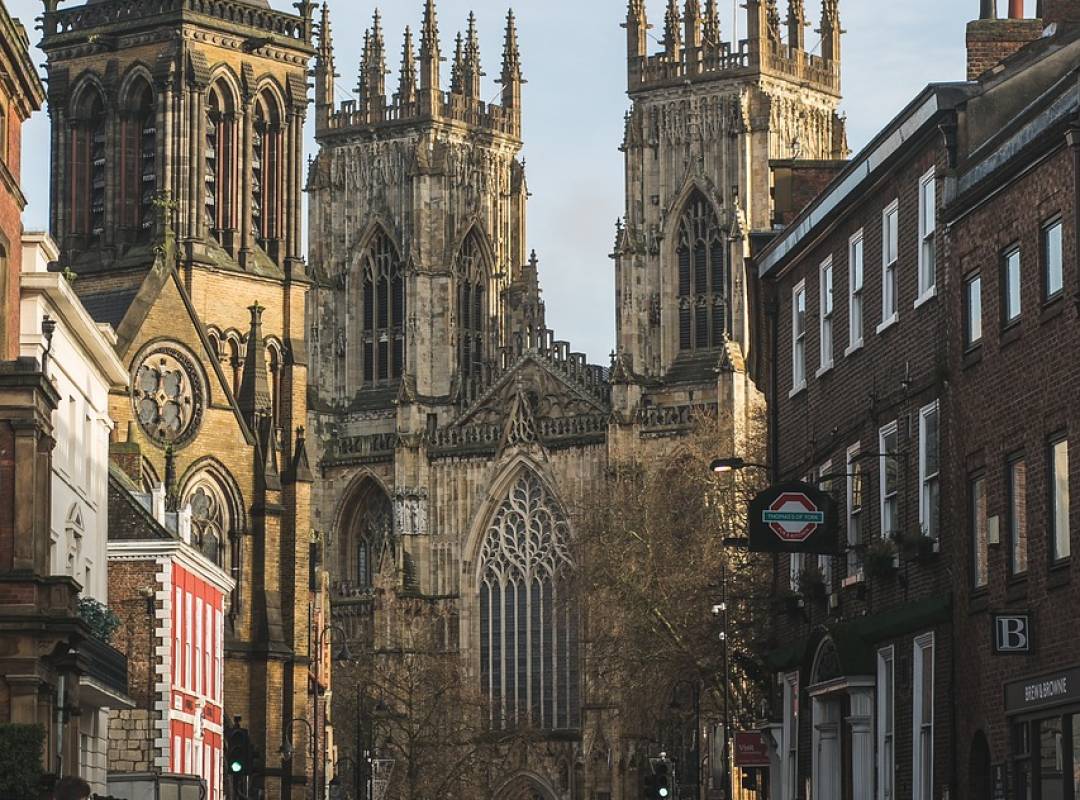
793, 518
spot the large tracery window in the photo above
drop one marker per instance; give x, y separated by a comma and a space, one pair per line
89, 161
704, 290
528, 628
216, 521
139, 161
471, 276
382, 324
368, 537
221, 163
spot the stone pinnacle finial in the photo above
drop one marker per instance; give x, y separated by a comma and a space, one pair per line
429, 57
429, 33
457, 71
471, 64
365, 69
797, 24
672, 35
326, 35
511, 66
407, 79
711, 24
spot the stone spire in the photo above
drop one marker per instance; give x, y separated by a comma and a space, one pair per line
637, 30
796, 21
511, 79
377, 63
473, 73
672, 36
772, 11
457, 71
692, 27
830, 30
430, 57
365, 68
254, 395
711, 25
406, 93
324, 69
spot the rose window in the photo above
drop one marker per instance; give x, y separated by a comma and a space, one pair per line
167, 397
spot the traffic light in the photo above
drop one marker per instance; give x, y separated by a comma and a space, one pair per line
659, 783
238, 752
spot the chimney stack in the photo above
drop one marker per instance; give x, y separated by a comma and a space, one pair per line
991, 40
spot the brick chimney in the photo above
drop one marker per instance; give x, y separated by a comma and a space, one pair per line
991, 40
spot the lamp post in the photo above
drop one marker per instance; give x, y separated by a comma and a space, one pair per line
695, 701
343, 655
286, 749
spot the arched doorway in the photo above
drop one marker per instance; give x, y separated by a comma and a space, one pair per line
979, 768
525, 787
365, 537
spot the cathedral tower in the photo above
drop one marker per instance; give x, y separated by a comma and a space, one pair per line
707, 117
177, 157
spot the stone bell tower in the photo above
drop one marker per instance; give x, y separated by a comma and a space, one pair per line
707, 116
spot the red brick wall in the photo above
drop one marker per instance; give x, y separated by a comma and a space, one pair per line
10, 234
1010, 395
991, 41
126, 580
893, 375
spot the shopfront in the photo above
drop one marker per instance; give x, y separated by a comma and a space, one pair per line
1044, 722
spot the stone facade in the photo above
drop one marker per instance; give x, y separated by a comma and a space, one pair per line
177, 158
448, 416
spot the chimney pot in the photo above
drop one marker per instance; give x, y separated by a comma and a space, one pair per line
1016, 9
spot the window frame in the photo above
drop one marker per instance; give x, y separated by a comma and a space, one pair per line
791, 743
886, 656
1006, 257
932, 530
826, 315
890, 429
1053, 500
923, 646
927, 238
970, 340
798, 339
1013, 461
977, 483
890, 269
856, 291
824, 562
1044, 252
854, 518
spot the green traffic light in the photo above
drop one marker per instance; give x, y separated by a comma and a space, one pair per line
663, 791
235, 766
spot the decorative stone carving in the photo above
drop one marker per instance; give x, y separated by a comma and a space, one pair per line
168, 395
411, 512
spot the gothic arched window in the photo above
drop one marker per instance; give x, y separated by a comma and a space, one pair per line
471, 275
138, 185
266, 176
704, 290
273, 372
528, 628
217, 521
89, 161
368, 536
382, 323
221, 163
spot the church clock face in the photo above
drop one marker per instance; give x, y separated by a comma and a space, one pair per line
168, 395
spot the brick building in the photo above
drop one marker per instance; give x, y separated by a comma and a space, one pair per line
177, 139
171, 597
1010, 444
918, 419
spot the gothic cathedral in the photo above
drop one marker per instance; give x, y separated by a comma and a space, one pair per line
452, 430
177, 165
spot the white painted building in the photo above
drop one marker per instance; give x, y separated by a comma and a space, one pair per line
83, 367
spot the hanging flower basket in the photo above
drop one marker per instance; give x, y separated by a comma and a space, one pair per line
916, 546
102, 620
812, 583
879, 558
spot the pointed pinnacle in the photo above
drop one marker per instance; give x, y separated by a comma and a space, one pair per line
457, 71
472, 42
672, 38
326, 36
635, 11
511, 70
711, 29
429, 32
408, 60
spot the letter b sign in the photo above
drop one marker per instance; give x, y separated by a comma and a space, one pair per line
1012, 634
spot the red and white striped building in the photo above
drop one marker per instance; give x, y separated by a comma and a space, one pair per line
153, 551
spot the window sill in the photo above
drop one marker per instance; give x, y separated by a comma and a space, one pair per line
853, 580
854, 348
926, 297
972, 356
1017, 588
1052, 308
979, 602
824, 369
797, 390
1010, 334
1060, 575
888, 323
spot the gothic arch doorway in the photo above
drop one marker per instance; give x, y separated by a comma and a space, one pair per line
525, 787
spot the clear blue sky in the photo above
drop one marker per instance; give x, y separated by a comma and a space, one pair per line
574, 59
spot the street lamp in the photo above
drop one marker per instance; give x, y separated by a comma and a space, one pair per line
286, 749
695, 702
342, 655
722, 466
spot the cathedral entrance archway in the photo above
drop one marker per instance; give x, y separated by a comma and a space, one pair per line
525, 787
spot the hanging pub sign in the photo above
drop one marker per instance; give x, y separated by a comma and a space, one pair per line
793, 517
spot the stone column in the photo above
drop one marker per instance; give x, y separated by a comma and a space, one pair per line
826, 754
244, 161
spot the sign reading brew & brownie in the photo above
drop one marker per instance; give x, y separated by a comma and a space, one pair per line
793, 517
1031, 694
